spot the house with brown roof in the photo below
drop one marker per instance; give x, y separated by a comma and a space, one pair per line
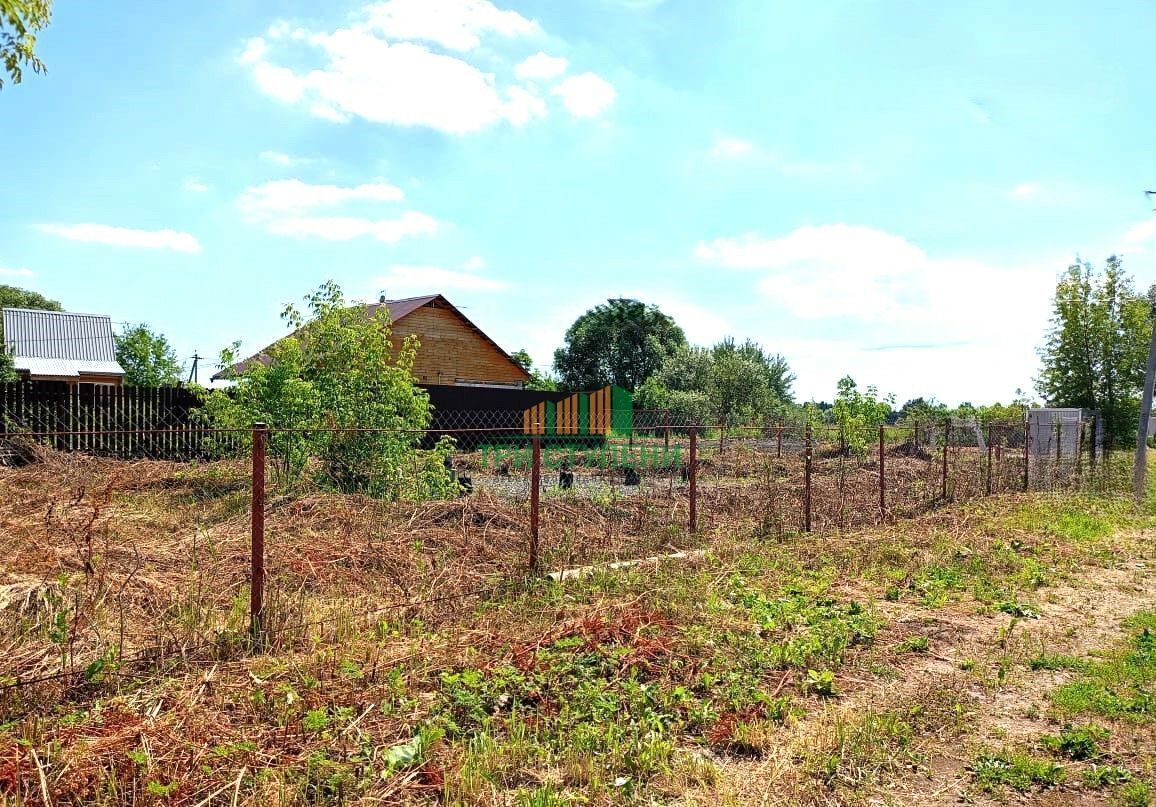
452, 349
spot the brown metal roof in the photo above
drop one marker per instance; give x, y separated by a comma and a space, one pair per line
398, 309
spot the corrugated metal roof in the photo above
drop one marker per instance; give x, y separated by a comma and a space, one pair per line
65, 368
71, 340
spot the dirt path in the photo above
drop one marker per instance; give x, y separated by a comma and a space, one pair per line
1075, 619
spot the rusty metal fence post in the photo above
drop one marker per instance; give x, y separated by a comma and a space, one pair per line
693, 478
990, 448
807, 479
882, 476
779, 444
946, 444
257, 538
535, 489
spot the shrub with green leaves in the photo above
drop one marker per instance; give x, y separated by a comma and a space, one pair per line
859, 413
340, 400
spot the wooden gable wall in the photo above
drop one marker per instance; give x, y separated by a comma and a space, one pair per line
451, 351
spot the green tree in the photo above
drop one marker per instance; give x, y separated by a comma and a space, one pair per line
681, 386
727, 384
336, 390
922, 409
13, 297
621, 342
859, 413
538, 380
746, 383
147, 358
1095, 351
275, 394
19, 22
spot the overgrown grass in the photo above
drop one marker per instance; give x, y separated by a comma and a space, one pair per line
1119, 685
623, 687
1006, 768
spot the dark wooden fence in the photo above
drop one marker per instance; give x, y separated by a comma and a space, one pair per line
156, 422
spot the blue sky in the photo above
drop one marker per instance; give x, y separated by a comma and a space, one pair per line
883, 189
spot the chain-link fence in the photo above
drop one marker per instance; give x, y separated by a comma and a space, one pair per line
124, 544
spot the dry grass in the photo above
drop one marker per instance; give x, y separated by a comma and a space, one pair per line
674, 678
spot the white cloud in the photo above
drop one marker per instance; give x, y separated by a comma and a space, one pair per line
288, 195
731, 147
523, 106
124, 236
826, 245
279, 82
328, 112
431, 279
475, 264
289, 206
12, 272
879, 298
255, 50
1025, 191
399, 83
702, 325
586, 95
194, 185
382, 70
281, 158
453, 24
346, 228
1139, 234
540, 66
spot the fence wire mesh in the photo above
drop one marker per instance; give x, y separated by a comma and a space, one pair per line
120, 543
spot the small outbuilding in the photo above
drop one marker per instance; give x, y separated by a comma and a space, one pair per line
77, 349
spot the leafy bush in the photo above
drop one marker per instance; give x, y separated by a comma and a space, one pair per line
859, 414
728, 384
338, 392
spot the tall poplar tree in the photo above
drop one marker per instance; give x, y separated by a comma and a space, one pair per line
1095, 350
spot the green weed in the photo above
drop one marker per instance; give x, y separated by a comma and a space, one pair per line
1120, 685
821, 683
1056, 661
1076, 742
994, 770
1134, 794
913, 644
1099, 776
